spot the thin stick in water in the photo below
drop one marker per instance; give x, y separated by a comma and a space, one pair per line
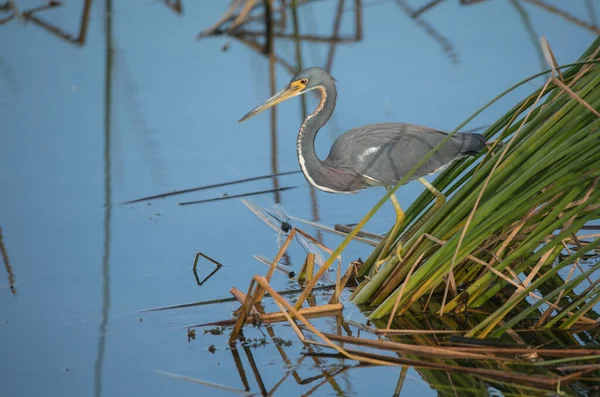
281, 189
195, 189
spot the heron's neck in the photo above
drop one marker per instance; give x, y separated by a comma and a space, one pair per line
313, 168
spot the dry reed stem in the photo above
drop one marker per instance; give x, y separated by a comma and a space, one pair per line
280, 253
565, 15
541, 262
550, 59
573, 95
429, 297
241, 297
417, 350
342, 282
523, 350
397, 302
550, 309
244, 310
417, 331
585, 68
449, 281
323, 310
269, 318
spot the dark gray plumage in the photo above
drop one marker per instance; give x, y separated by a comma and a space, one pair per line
372, 155
381, 154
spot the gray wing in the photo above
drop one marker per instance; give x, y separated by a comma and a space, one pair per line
385, 152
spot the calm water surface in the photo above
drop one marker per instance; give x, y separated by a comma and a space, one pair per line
141, 107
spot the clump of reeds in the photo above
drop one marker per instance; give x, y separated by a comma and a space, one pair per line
507, 246
512, 217
509, 226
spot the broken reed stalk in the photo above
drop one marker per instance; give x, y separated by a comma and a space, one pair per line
500, 220
269, 318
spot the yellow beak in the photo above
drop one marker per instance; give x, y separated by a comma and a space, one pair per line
290, 91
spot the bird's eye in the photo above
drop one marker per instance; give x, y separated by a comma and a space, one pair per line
304, 81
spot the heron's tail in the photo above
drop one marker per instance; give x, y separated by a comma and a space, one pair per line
473, 143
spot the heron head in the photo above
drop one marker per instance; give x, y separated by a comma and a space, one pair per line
304, 81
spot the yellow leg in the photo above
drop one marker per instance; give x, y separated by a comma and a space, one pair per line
399, 221
398, 209
440, 199
394, 232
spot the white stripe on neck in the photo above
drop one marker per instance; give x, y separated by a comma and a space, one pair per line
301, 159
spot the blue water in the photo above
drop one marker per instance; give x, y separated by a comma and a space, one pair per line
84, 265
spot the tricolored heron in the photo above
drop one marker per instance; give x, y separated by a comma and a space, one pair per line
372, 155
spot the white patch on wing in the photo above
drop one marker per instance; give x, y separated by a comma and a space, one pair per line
439, 169
368, 152
443, 167
373, 181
